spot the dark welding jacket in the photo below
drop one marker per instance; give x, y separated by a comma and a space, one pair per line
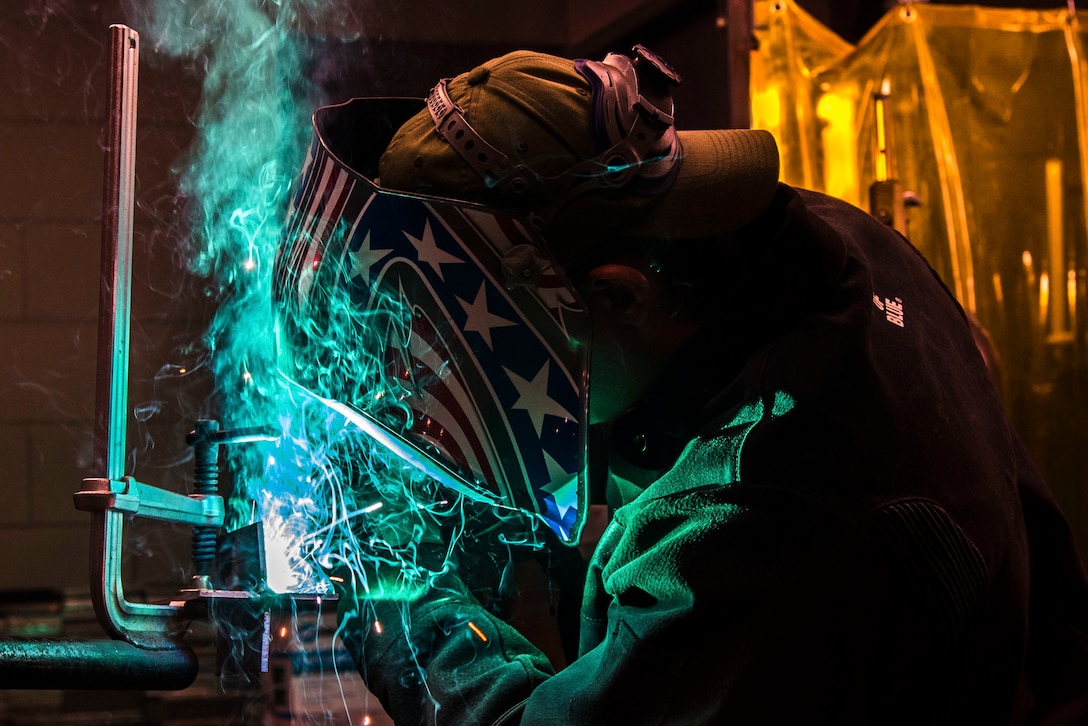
847, 529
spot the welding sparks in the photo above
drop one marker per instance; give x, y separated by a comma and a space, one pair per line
476, 630
330, 500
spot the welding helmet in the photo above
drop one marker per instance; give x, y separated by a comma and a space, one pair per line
447, 327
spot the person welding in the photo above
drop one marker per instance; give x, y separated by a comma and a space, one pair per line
819, 510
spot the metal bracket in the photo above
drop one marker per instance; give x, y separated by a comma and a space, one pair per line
143, 500
111, 498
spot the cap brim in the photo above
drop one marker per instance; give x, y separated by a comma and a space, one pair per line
727, 178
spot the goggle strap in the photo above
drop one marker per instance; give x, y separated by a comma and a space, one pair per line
648, 150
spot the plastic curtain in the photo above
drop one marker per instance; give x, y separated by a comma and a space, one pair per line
982, 115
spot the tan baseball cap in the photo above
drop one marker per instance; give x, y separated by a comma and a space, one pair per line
535, 108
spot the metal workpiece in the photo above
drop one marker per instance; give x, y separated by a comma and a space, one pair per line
40, 663
251, 629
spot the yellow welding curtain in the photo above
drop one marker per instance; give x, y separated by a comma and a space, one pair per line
984, 121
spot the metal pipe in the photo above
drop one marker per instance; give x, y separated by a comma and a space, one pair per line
93, 665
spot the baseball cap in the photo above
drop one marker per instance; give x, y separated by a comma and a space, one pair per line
537, 109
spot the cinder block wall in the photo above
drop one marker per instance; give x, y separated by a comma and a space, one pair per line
52, 113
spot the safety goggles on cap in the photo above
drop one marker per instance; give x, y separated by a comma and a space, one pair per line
631, 117
445, 326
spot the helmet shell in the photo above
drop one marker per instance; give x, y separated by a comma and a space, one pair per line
446, 326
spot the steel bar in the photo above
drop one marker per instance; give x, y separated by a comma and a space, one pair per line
115, 292
135, 622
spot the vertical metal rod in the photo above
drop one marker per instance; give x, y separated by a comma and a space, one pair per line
111, 392
137, 623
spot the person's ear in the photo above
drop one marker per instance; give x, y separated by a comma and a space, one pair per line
627, 291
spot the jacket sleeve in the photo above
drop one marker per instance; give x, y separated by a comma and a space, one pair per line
699, 608
704, 609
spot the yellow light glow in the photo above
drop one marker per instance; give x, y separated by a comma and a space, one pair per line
1071, 297
767, 110
1044, 296
836, 111
1055, 233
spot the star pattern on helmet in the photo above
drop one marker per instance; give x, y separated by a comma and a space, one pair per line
480, 319
533, 398
364, 258
563, 489
428, 251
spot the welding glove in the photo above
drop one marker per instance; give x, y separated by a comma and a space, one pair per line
442, 652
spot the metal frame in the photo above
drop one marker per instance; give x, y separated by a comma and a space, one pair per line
113, 497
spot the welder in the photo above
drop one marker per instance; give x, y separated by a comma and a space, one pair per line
819, 512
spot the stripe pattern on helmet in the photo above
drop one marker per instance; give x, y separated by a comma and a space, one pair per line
499, 385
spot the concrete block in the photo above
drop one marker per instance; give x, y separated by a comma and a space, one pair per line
52, 171
166, 374
47, 371
12, 282
62, 271
53, 557
157, 556
14, 453
61, 456
55, 66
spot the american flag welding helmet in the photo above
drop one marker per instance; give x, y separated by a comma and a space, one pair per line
444, 327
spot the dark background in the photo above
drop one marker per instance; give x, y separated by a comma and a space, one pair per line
52, 110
